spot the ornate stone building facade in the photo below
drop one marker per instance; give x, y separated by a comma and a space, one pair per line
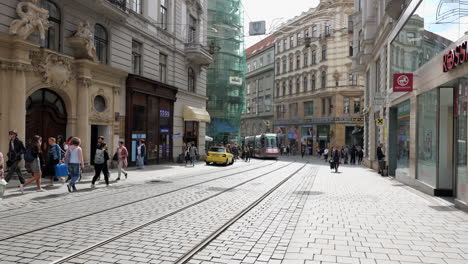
260, 77
65, 65
318, 99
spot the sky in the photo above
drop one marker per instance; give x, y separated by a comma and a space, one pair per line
273, 12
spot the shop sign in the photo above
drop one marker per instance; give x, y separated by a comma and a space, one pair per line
164, 130
402, 82
379, 122
235, 80
164, 113
334, 120
455, 57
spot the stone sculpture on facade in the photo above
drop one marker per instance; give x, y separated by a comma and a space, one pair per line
32, 18
82, 42
55, 70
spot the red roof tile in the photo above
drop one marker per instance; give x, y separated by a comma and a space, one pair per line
260, 46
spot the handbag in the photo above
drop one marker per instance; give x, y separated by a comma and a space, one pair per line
61, 170
115, 157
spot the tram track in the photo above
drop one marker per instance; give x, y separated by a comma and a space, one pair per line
130, 203
186, 207
126, 190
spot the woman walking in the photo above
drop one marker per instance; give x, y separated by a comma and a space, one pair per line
54, 157
193, 152
36, 163
74, 161
141, 152
100, 164
336, 157
122, 154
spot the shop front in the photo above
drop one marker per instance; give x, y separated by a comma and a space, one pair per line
193, 117
150, 109
428, 125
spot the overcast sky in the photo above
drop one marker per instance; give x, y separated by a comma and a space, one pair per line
273, 12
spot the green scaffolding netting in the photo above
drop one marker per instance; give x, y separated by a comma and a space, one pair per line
226, 96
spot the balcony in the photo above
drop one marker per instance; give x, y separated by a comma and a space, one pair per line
114, 9
198, 54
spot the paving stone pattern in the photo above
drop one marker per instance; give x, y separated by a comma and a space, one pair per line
61, 240
354, 216
169, 239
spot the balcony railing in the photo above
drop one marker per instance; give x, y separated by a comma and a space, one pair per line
121, 4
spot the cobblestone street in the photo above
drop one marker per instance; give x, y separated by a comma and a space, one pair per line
288, 211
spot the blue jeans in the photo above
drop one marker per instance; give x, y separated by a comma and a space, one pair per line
74, 169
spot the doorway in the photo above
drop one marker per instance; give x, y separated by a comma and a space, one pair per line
46, 116
446, 142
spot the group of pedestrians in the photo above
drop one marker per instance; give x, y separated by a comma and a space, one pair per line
348, 155
67, 154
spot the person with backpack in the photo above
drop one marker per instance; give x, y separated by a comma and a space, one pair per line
75, 162
33, 156
54, 157
100, 164
141, 152
15, 150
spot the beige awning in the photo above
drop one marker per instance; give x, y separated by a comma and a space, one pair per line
196, 114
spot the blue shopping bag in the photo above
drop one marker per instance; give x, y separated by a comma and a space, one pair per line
61, 170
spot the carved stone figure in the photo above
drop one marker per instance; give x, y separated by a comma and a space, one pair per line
32, 18
84, 36
56, 70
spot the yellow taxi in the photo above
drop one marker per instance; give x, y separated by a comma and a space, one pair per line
219, 155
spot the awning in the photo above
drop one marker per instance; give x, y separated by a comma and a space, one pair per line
196, 114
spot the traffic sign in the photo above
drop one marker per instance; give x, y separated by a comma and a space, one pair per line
379, 121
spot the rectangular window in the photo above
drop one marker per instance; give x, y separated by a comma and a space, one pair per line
247, 106
192, 37
293, 110
291, 41
357, 105
284, 66
291, 64
306, 33
285, 43
268, 103
162, 67
306, 59
314, 32
377, 75
260, 62
327, 29
163, 14
346, 103
309, 108
134, 5
324, 107
314, 57
261, 105
324, 52
350, 48
278, 67
248, 88
350, 24
298, 62
330, 106
136, 58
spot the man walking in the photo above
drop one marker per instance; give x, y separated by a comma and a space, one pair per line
381, 159
15, 150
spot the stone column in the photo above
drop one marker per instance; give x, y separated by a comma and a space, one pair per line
17, 102
82, 118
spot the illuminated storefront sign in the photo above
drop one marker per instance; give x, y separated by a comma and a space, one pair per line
455, 57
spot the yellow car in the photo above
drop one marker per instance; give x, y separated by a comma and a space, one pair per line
219, 155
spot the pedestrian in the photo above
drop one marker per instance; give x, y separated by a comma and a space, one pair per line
381, 159
122, 163
281, 150
193, 152
336, 157
360, 154
2, 177
319, 152
353, 155
346, 155
100, 164
303, 150
74, 161
15, 150
325, 154
54, 157
235, 151
247, 154
66, 146
34, 152
141, 152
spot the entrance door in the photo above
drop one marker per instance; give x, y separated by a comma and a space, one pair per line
45, 116
446, 142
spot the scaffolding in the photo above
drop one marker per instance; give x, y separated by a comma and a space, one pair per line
226, 75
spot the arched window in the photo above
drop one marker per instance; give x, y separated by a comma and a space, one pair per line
52, 38
314, 82
101, 41
324, 79
284, 88
191, 80
290, 86
305, 83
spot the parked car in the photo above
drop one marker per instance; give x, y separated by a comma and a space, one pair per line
219, 155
